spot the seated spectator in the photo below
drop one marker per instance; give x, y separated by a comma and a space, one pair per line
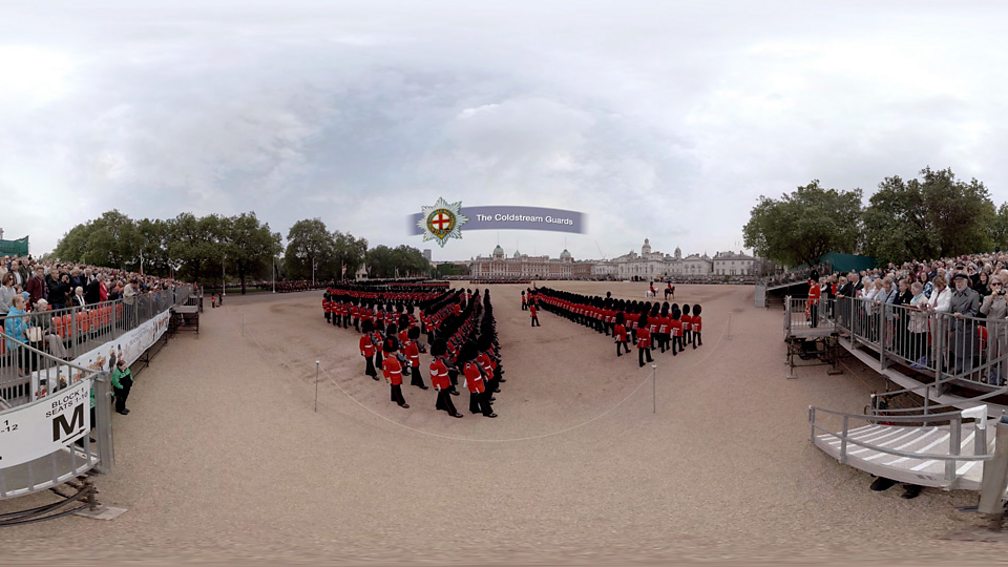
52, 341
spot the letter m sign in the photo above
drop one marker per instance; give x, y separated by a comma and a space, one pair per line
61, 428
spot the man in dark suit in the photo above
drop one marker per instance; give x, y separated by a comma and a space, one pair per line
92, 292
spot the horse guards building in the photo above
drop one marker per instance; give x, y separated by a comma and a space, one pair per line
648, 265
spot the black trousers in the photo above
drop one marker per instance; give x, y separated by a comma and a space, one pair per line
535, 321
417, 379
397, 397
814, 313
485, 402
444, 402
121, 394
475, 402
622, 345
641, 352
370, 369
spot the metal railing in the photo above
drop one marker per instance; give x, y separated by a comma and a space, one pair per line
944, 346
93, 450
953, 419
66, 334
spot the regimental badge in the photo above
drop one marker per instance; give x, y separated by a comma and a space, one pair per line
442, 221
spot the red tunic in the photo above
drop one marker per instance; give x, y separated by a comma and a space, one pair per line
620, 333
412, 352
392, 370
676, 327
366, 346
532, 310
474, 380
486, 363
643, 338
439, 374
687, 322
696, 323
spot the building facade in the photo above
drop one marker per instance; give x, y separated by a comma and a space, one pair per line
523, 266
735, 264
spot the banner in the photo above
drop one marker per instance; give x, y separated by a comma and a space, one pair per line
444, 220
17, 247
45, 426
130, 345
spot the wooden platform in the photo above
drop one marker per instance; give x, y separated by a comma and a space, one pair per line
924, 440
185, 317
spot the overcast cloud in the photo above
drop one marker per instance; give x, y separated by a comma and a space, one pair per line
657, 119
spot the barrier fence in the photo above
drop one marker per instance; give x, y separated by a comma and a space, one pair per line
945, 346
59, 335
30, 459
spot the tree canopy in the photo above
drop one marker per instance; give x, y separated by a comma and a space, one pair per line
933, 216
802, 226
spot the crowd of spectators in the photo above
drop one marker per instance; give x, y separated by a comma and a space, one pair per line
64, 284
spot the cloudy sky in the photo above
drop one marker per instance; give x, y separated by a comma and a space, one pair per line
658, 119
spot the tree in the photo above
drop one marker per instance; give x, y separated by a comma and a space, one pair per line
999, 229
802, 226
896, 223
348, 253
309, 245
960, 214
251, 246
402, 261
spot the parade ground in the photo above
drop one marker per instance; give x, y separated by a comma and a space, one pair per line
224, 456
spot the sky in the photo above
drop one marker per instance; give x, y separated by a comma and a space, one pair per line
664, 120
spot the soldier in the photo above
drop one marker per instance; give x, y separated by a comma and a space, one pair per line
687, 325
697, 326
643, 340
392, 369
479, 396
533, 313
441, 381
620, 334
524, 304
412, 352
367, 350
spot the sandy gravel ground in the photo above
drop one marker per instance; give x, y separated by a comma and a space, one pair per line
223, 458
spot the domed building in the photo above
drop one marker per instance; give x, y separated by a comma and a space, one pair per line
524, 267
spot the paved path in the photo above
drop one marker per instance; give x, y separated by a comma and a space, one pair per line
223, 457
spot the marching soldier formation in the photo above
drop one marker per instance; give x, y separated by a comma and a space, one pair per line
669, 327
459, 327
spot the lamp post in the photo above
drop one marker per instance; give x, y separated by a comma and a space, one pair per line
223, 276
273, 261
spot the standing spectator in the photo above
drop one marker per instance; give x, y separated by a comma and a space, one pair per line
917, 326
59, 288
103, 290
36, 286
941, 297
122, 383
15, 327
7, 293
995, 308
964, 302
982, 286
92, 291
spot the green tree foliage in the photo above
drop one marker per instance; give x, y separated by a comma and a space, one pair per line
310, 250
250, 246
999, 230
802, 226
930, 217
402, 261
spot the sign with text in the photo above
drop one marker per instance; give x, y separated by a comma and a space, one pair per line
445, 220
45, 426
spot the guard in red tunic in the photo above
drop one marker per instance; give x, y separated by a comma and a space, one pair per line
643, 340
620, 334
412, 351
367, 350
479, 397
441, 380
697, 326
687, 325
393, 373
533, 314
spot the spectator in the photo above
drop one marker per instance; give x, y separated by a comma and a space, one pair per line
7, 293
941, 297
122, 383
59, 288
53, 343
982, 286
78, 298
995, 308
36, 286
92, 291
964, 302
16, 327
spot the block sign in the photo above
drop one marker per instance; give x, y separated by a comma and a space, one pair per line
45, 426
